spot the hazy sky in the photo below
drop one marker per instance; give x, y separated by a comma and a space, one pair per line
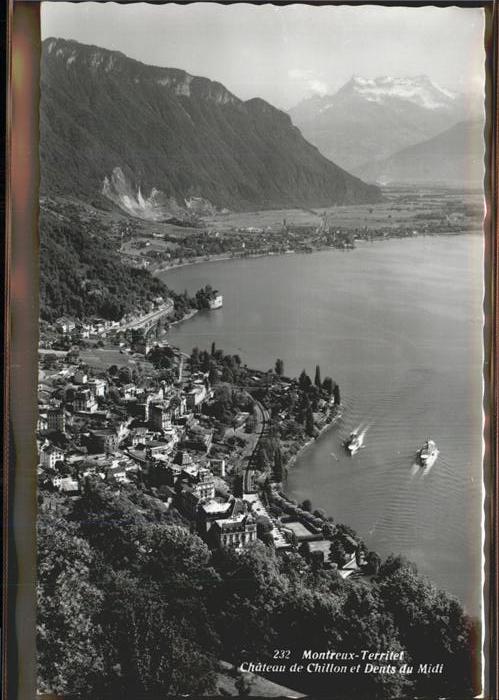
284, 53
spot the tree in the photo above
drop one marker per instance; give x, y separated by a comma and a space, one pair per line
205, 360
278, 471
314, 396
222, 406
229, 361
68, 636
336, 395
113, 395
307, 505
161, 357
432, 627
247, 605
309, 421
213, 349
213, 377
279, 367
109, 521
317, 380
153, 650
264, 530
195, 359
373, 563
327, 385
316, 560
328, 531
227, 375
304, 380
154, 620
394, 563
260, 460
360, 620
237, 486
50, 361
337, 552
320, 513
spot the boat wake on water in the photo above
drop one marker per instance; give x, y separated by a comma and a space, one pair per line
419, 472
425, 460
355, 441
421, 463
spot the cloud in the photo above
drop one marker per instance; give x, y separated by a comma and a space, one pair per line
317, 86
309, 79
299, 73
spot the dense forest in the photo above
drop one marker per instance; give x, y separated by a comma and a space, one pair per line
132, 603
81, 274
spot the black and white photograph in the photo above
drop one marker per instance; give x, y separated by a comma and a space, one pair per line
261, 357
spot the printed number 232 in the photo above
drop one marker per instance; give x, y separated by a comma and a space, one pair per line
282, 653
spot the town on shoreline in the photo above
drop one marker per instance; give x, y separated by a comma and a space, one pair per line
203, 434
206, 424
161, 246
138, 440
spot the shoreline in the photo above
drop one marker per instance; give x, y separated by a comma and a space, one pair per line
325, 428
212, 259
187, 317
167, 268
162, 268
309, 443
301, 453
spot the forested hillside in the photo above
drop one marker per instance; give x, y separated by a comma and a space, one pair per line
81, 274
133, 605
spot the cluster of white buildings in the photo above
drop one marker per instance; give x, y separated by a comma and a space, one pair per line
116, 430
84, 430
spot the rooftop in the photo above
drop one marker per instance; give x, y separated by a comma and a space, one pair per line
216, 507
234, 522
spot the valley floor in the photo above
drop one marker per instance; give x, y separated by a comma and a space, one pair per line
404, 212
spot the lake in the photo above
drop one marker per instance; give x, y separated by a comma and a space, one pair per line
398, 324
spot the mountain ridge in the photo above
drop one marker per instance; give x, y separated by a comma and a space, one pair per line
454, 157
369, 119
174, 78
420, 90
172, 136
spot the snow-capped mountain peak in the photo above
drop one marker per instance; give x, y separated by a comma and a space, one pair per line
419, 90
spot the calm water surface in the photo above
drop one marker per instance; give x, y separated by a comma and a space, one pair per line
398, 325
